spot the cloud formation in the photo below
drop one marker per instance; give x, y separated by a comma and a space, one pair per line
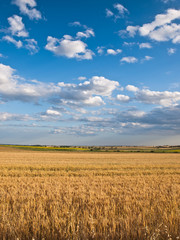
129, 59
32, 46
10, 39
121, 11
147, 96
161, 29
113, 51
13, 88
17, 27
28, 7
87, 93
69, 47
145, 45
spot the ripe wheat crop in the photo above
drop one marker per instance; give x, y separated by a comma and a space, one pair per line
56, 195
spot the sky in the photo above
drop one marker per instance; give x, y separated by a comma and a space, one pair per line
90, 72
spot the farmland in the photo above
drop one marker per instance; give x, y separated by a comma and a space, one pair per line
88, 195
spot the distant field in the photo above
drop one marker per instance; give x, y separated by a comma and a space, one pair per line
88, 195
144, 149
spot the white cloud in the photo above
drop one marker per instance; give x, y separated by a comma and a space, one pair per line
5, 116
160, 20
121, 9
166, 33
145, 45
129, 44
100, 50
131, 30
113, 52
123, 98
53, 112
87, 93
147, 96
99, 85
76, 24
27, 7
165, 98
17, 27
132, 88
32, 46
69, 48
129, 59
6, 73
10, 39
87, 34
109, 13
176, 39
81, 78
146, 58
171, 51
161, 29
12, 88
94, 101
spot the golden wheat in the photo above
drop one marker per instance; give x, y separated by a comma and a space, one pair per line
48, 195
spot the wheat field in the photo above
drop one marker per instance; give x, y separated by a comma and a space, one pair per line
72, 195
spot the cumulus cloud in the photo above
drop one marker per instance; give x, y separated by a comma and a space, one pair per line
145, 45
123, 98
89, 32
28, 7
129, 59
166, 33
53, 112
86, 34
99, 85
87, 93
147, 96
165, 98
68, 47
50, 115
161, 29
113, 51
12, 88
10, 39
131, 30
17, 27
160, 20
132, 88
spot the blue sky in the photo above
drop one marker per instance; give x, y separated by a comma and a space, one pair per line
90, 72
